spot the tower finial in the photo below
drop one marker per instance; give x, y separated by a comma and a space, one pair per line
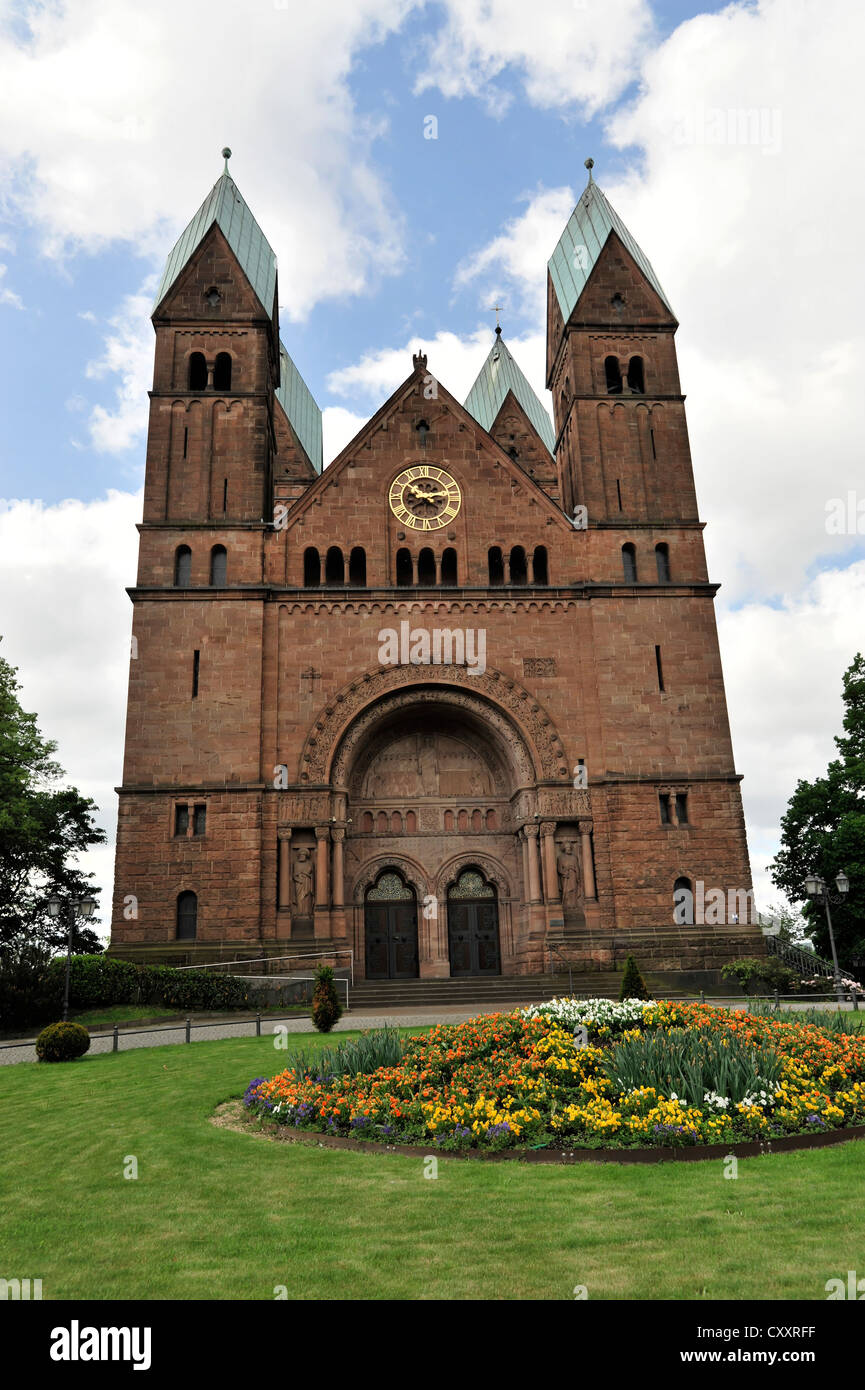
590, 164
226, 155
496, 309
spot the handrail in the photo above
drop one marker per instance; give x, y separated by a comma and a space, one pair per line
256, 960
800, 956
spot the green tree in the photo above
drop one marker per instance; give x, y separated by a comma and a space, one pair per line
823, 831
44, 826
633, 984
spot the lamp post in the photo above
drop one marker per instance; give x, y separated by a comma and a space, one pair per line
70, 908
816, 888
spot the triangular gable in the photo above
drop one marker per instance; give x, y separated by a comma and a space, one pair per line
509, 466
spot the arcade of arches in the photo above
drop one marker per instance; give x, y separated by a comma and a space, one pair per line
440, 856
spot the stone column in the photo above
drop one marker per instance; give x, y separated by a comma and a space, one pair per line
588, 868
438, 571
534, 864
322, 892
524, 846
551, 876
338, 836
530, 565
285, 869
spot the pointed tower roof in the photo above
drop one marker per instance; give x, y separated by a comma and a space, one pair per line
298, 402
497, 376
225, 207
581, 244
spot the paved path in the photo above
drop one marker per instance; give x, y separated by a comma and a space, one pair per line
163, 1034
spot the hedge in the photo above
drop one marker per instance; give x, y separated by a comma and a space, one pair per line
96, 980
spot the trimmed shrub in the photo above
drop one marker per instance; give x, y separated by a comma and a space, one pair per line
99, 979
29, 990
633, 984
194, 989
62, 1042
326, 1008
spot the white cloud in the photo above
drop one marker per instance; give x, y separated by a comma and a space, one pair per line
566, 51
453, 360
65, 622
108, 120
514, 263
128, 354
782, 671
8, 296
338, 427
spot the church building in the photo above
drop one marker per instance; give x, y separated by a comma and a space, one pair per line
454, 703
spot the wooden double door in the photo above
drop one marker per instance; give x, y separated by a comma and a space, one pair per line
473, 926
390, 929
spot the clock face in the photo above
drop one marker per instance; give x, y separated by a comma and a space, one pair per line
424, 498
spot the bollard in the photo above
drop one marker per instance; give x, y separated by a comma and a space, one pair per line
189, 1030
777, 1000
258, 1025
115, 1040
702, 996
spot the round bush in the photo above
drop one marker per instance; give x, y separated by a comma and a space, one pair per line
62, 1042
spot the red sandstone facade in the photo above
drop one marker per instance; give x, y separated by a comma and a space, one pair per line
285, 788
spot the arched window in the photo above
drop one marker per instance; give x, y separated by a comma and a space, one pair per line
449, 567
357, 567
197, 372
311, 568
629, 563
422, 429
187, 916
449, 820
396, 823
635, 375
539, 565
182, 567
492, 820
334, 567
404, 569
219, 566
496, 565
662, 557
513, 453
222, 372
410, 822
477, 823
426, 567
366, 822
381, 822
517, 566
462, 820
683, 902
613, 373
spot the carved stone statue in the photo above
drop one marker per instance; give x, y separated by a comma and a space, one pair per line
568, 868
303, 883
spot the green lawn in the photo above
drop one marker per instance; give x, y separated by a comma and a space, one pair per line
216, 1214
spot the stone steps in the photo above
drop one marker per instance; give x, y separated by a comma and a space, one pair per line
494, 993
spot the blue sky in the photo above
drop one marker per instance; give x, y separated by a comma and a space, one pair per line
112, 116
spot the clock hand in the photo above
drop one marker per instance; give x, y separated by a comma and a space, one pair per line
424, 495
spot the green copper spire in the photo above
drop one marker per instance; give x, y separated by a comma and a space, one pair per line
499, 375
581, 243
225, 206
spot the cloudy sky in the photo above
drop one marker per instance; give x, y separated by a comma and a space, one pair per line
728, 139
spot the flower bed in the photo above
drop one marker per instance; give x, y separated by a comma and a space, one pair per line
561, 1076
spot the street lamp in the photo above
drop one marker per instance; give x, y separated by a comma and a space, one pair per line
70, 908
816, 888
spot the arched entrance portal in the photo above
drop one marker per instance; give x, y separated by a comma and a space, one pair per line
473, 925
390, 928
